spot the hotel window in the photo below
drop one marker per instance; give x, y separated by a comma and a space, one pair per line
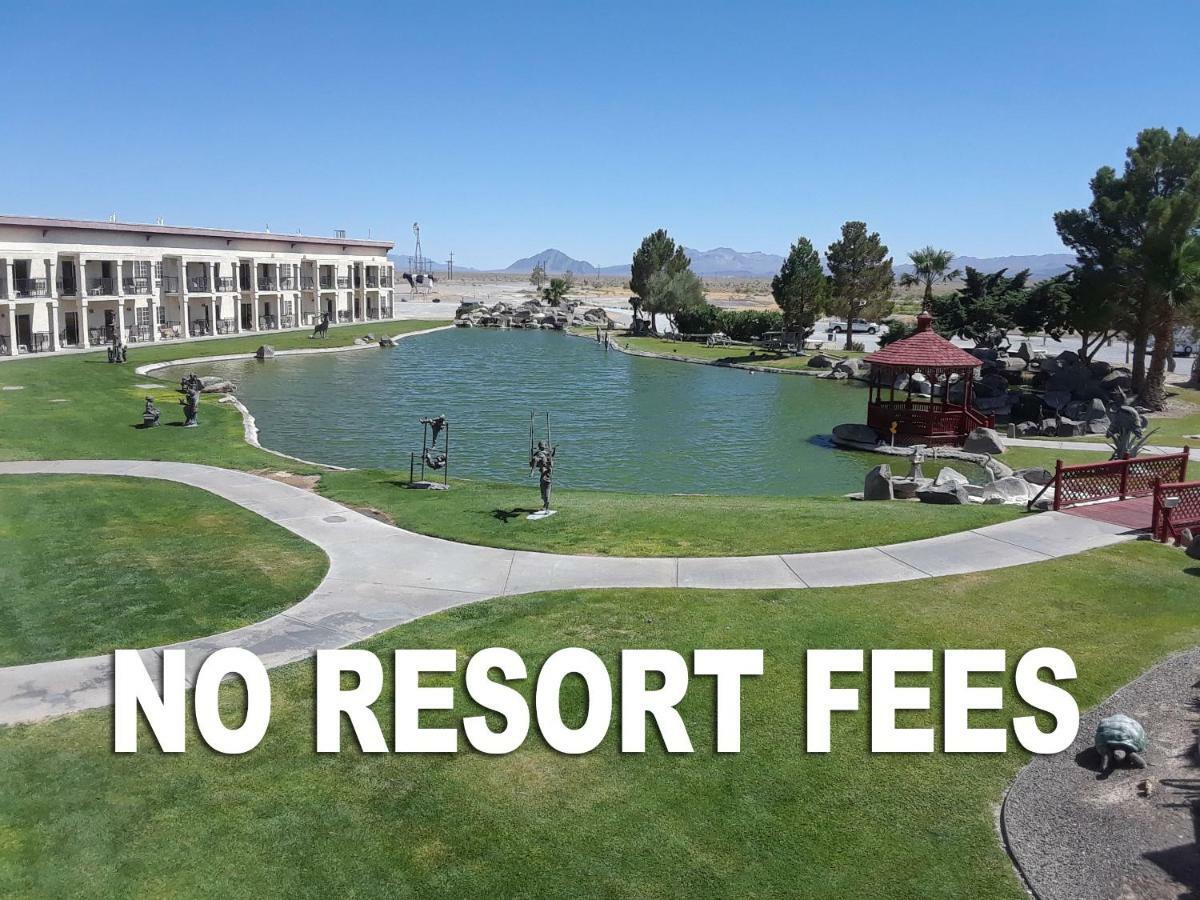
162, 315
142, 316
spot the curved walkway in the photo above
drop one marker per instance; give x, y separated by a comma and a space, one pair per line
381, 576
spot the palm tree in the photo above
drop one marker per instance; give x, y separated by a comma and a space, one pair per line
929, 265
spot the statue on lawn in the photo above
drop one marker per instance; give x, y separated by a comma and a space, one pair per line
150, 414
542, 461
1126, 430
191, 406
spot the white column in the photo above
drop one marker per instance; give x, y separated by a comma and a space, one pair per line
53, 307
85, 340
51, 266
121, 319
10, 311
10, 287
153, 316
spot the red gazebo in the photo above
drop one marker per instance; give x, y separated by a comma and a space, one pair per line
923, 418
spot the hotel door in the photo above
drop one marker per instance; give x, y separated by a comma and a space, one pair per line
71, 328
25, 331
247, 316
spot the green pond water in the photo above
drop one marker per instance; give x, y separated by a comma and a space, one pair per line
620, 422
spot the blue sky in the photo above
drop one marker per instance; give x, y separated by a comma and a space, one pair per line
505, 129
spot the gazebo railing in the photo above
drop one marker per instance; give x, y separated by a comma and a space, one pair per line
935, 422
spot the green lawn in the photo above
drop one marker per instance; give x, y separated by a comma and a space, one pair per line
618, 524
724, 355
102, 404
92, 564
1172, 431
771, 821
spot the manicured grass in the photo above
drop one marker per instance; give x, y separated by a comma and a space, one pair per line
92, 564
617, 524
725, 355
771, 821
101, 405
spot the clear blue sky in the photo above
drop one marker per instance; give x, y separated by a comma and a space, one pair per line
505, 129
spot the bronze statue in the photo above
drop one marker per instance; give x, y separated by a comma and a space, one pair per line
322, 328
150, 414
542, 461
191, 406
191, 382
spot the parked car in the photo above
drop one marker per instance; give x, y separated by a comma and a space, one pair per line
858, 325
1185, 343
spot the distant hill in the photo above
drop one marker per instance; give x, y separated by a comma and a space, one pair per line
555, 261
724, 262
1040, 266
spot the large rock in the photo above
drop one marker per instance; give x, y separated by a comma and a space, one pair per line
1068, 427
266, 351
1035, 475
855, 434
1028, 429
878, 483
820, 362
1117, 380
1012, 489
950, 476
984, 440
906, 488
852, 367
1097, 426
952, 494
1193, 549
1056, 400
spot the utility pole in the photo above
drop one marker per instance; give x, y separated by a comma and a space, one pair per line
450, 267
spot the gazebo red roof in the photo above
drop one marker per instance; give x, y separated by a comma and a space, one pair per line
926, 350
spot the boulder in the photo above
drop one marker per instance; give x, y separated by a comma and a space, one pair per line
952, 494
387, 342
984, 440
266, 351
991, 386
1024, 351
878, 483
1012, 489
217, 386
855, 434
1068, 428
1035, 475
950, 476
1193, 548
1056, 400
906, 488
1028, 429
1093, 409
852, 367
1067, 358
1117, 380
1099, 368
1097, 426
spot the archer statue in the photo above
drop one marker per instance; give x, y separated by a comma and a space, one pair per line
541, 460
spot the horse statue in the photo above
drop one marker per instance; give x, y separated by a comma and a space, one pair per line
322, 329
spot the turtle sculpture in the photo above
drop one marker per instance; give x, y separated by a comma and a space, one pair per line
1120, 739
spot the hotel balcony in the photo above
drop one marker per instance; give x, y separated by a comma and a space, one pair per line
136, 285
170, 284
326, 283
197, 284
286, 283
225, 283
343, 281
101, 287
30, 287
264, 283
66, 288
306, 282
372, 281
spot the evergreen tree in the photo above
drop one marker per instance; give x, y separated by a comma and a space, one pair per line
800, 288
860, 273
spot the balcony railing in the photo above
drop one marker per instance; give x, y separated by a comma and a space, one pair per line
306, 282
170, 284
326, 282
197, 284
138, 334
136, 285
66, 288
100, 287
226, 283
226, 326
264, 284
286, 283
372, 281
343, 281
31, 287
39, 341
267, 323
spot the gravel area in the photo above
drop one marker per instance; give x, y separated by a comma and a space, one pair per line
1074, 833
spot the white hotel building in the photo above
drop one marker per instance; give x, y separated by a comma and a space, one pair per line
70, 284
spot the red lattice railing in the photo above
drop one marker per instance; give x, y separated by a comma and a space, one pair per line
1176, 507
1117, 479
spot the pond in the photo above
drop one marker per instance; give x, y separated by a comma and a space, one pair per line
620, 422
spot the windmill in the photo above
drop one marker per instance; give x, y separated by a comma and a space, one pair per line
418, 265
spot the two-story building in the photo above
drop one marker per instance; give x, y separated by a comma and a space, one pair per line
77, 284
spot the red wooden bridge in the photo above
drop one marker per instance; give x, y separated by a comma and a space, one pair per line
1146, 493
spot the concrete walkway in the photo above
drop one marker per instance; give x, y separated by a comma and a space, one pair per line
381, 576
1046, 444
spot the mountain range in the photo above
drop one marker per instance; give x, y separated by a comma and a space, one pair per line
724, 262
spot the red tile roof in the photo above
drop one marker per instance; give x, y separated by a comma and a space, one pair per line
925, 349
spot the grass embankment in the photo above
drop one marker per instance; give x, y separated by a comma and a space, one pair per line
92, 564
80, 406
619, 524
770, 821
728, 356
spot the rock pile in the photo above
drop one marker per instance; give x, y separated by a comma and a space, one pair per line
530, 314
